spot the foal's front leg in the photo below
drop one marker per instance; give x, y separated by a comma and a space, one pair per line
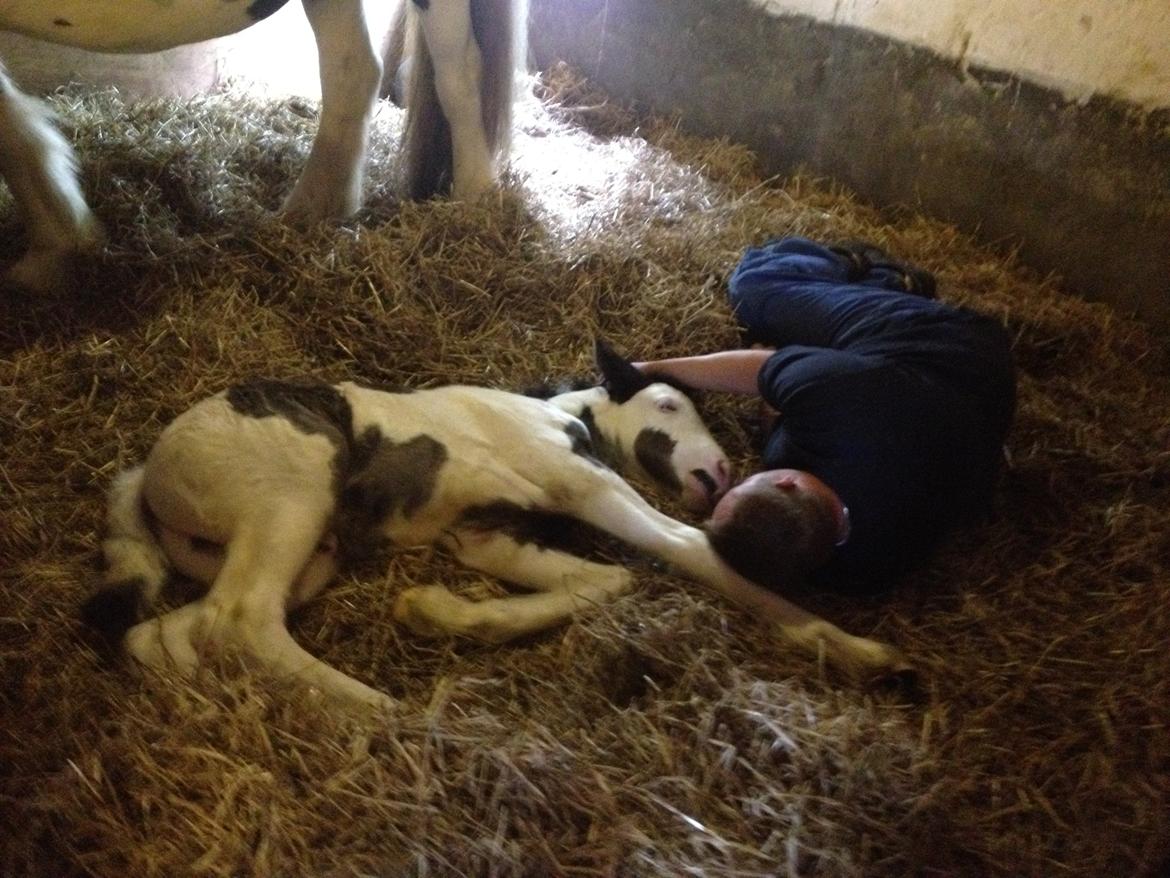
330, 186
530, 565
610, 503
569, 584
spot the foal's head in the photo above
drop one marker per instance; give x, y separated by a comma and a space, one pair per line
658, 423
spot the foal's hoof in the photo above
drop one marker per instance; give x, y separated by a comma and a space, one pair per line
427, 610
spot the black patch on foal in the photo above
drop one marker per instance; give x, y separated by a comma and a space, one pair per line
604, 452
261, 9
653, 449
310, 406
313, 407
541, 528
112, 611
424, 5
388, 478
582, 441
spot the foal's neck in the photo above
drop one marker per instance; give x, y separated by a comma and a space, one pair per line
596, 410
575, 402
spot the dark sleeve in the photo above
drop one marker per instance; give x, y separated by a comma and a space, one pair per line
798, 373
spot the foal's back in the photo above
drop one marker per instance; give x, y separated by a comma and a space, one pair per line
474, 445
407, 464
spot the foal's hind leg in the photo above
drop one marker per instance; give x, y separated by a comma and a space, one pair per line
570, 583
246, 608
330, 186
42, 174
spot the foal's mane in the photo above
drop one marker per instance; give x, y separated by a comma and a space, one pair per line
549, 389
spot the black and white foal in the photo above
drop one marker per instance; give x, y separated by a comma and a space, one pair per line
262, 491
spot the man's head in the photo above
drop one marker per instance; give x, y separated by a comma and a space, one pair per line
778, 526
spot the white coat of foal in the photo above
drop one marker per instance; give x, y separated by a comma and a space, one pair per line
262, 491
472, 90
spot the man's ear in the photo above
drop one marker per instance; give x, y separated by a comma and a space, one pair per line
618, 374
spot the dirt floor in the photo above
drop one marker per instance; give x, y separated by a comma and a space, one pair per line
663, 735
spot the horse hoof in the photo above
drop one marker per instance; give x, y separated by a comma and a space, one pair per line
422, 609
309, 204
45, 270
471, 185
40, 273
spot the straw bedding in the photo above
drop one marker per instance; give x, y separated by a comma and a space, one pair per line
662, 735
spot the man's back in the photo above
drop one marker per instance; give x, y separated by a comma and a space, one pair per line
899, 403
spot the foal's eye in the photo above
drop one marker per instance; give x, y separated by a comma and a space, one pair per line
667, 405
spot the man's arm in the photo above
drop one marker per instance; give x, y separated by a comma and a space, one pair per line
728, 371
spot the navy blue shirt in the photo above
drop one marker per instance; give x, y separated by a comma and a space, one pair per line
901, 404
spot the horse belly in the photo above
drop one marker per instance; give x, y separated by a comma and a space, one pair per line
213, 469
131, 25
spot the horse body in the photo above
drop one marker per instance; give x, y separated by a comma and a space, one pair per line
457, 115
265, 490
131, 25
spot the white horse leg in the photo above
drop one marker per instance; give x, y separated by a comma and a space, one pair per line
446, 26
571, 583
167, 641
609, 503
431, 610
246, 607
397, 58
42, 174
330, 186
529, 565
203, 564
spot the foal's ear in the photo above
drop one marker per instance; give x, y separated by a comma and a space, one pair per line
618, 375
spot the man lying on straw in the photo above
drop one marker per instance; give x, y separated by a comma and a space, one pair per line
888, 412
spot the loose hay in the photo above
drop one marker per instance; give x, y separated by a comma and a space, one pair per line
663, 735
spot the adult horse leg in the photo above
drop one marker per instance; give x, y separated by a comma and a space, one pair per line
569, 584
465, 58
396, 54
41, 172
330, 186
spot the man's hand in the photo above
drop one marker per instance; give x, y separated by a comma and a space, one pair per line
734, 371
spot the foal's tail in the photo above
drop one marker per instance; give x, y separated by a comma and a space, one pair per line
500, 29
136, 567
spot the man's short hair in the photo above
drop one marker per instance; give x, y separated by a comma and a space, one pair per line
775, 538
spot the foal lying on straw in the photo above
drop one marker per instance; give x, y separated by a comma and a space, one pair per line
264, 490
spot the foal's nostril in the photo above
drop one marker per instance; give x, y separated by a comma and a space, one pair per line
704, 478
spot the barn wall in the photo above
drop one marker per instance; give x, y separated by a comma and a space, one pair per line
1082, 186
1089, 47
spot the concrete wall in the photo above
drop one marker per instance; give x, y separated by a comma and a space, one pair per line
1080, 48
1076, 176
